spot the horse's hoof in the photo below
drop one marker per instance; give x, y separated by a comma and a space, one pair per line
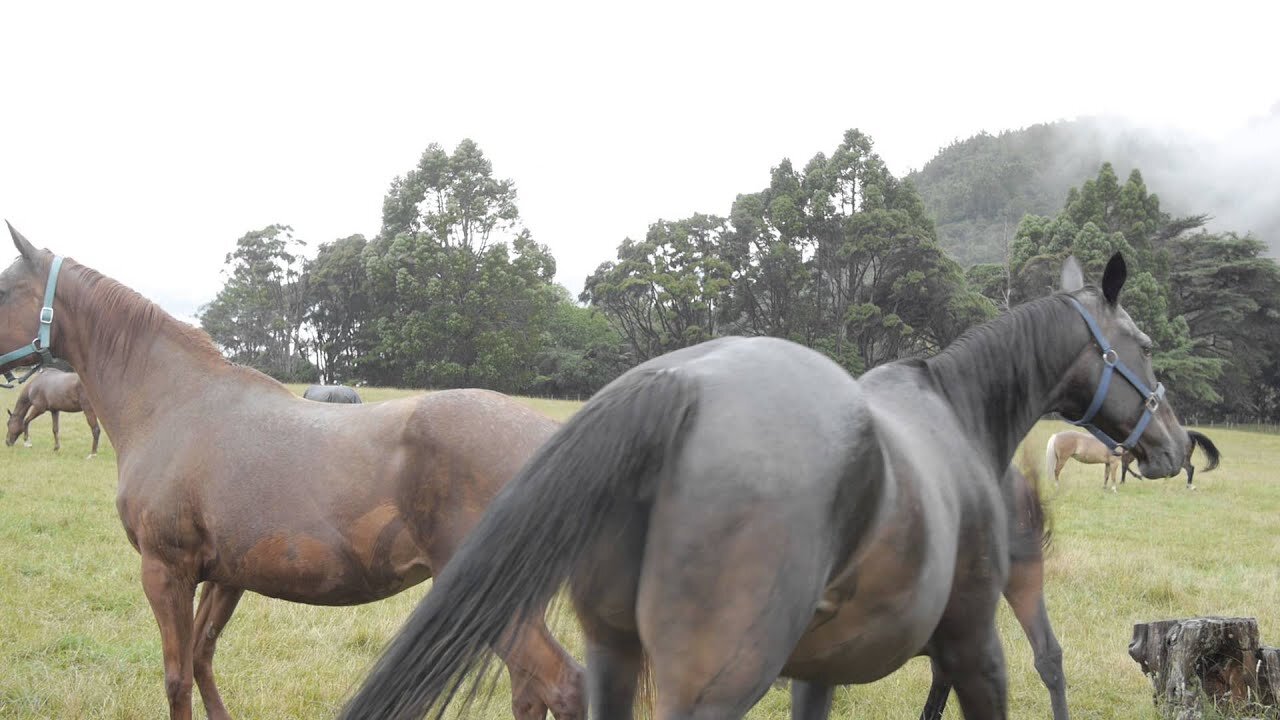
1191, 487
26, 444
91, 456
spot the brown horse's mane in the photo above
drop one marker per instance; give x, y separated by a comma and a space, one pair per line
122, 317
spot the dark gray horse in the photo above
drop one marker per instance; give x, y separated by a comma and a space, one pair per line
332, 394
743, 509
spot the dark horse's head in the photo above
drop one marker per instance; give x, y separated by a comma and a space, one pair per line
1110, 387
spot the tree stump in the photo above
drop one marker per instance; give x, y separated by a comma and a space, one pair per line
1209, 664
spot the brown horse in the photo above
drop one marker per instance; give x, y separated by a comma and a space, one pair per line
227, 478
743, 510
51, 391
1087, 449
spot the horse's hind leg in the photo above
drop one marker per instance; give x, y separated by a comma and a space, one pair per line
217, 603
722, 603
543, 676
810, 701
57, 441
939, 690
1191, 473
615, 667
972, 658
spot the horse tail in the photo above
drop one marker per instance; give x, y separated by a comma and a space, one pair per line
595, 471
1207, 447
1033, 528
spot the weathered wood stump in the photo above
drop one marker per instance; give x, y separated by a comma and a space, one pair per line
1211, 665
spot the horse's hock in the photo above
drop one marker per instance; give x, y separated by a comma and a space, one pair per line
1208, 667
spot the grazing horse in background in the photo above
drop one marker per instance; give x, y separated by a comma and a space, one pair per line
229, 479
332, 394
1206, 446
743, 509
51, 391
1087, 449
1025, 595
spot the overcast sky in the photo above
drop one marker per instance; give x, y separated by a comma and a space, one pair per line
143, 139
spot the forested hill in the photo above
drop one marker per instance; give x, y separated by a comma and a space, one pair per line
978, 189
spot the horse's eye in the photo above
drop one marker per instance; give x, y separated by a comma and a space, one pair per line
1146, 351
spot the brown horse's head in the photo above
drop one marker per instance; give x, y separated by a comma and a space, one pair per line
21, 296
1162, 446
15, 429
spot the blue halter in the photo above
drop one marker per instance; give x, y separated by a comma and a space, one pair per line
1114, 364
39, 346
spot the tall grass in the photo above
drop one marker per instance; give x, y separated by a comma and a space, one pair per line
77, 639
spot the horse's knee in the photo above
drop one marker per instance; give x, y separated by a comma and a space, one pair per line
177, 688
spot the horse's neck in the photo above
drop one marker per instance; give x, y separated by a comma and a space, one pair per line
131, 379
1003, 377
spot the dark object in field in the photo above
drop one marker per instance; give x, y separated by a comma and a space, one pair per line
1025, 595
1197, 438
332, 394
743, 509
229, 479
51, 391
1208, 662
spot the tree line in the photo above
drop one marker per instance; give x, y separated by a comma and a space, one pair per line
838, 255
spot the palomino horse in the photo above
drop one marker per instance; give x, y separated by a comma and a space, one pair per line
51, 391
743, 509
332, 394
1087, 449
1206, 446
1025, 595
228, 478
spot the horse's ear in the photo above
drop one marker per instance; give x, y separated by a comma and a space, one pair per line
1072, 275
27, 250
9, 411
1113, 278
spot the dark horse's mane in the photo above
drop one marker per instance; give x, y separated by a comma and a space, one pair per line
990, 371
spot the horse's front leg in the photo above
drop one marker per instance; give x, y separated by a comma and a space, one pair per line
939, 690
92, 419
57, 441
33, 412
171, 592
1025, 594
217, 603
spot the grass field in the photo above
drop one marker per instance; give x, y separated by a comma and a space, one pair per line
77, 639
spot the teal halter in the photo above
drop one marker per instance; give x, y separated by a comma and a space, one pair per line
39, 346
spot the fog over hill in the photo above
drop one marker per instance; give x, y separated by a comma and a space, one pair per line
979, 188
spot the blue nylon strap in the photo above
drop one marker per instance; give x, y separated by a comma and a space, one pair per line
1152, 398
40, 345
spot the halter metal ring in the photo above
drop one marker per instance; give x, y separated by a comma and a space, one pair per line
1153, 402
1110, 357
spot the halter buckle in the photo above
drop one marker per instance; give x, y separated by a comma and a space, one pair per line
1153, 402
46, 315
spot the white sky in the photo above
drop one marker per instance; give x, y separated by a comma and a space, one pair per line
143, 139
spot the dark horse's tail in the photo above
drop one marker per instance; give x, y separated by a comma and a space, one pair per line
1207, 447
597, 467
1032, 526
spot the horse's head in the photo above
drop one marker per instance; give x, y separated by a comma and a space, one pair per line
15, 429
22, 289
1111, 387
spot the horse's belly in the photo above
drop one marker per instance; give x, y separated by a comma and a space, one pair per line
331, 569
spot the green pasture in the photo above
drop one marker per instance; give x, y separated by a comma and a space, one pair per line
77, 639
